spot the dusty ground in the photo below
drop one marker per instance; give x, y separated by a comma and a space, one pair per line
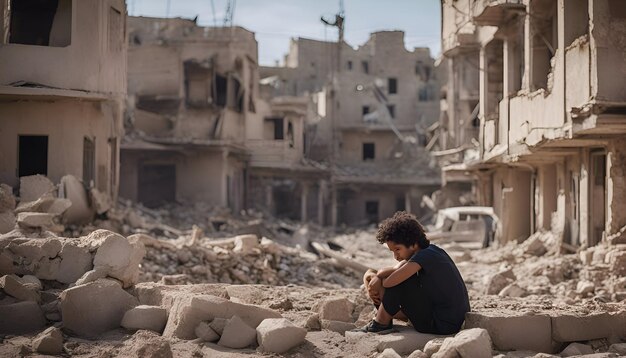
549, 282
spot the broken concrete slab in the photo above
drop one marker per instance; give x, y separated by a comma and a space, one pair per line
433, 346
218, 325
473, 342
336, 309
101, 201
206, 333
577, 328
35, 220
80, 212
75, 261
237, 334
33, 187
13, 286
49, 341
21, 317
7, 200
576, 349
278, 335
512, 290
94, 308
7, 222
404, 342
418, 354
145, 317
188, 311
36, 206
120, 256
497, 283
57, 207
513, 331
31, 282
619, 348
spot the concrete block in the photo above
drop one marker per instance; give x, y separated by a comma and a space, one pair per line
218, 325
511, 331
145, 317
21, 317
7, 222
49, 341
7, 200
575, 328
36, 206
313, 322
12, 286
94, 308
80, 212
404, 342
497, 283
336, 326
473, 342
389, 353
237, 334
336, 309
120, 256
245, 243
576, 349
33, 187
35, 220
188, 311
206, 333
32, 282
278, 335
75, 261
57, 206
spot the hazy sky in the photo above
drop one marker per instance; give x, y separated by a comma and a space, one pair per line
276, 21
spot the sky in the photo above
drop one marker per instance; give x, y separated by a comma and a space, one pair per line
276, 21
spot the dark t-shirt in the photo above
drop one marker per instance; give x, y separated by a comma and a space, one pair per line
444, 287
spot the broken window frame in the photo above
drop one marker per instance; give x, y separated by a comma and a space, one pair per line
89, 161
195, 73
51, 28
369, 151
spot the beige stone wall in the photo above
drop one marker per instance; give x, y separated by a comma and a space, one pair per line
92, 62
66, 123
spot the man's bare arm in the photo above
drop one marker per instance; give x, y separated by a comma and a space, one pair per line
386, 271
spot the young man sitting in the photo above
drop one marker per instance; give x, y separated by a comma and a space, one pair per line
425, 287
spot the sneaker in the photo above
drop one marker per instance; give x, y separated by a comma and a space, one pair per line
375, 327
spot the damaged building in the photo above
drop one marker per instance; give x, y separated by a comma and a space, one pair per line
373, 106
540, 85
62, 90
190, 92
198, 129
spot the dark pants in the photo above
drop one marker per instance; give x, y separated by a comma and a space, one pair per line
410, 298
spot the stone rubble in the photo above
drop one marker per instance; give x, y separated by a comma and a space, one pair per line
183, 288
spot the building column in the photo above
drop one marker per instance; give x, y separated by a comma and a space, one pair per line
269, 198
616, 189
304, 194
321, 194
407, 201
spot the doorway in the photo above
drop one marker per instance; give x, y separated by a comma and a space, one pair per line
32, 155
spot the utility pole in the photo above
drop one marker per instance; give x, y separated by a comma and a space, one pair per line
334, 85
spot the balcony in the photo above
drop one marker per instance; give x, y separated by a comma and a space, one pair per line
272, 153
495, 12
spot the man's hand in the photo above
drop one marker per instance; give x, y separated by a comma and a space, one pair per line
368, 277
375, 289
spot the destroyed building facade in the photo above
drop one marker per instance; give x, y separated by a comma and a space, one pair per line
540, 86
198, 129
62, 90
372, 108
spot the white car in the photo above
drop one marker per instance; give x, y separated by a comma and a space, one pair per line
465, 224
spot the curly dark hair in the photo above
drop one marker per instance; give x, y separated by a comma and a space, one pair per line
402, 228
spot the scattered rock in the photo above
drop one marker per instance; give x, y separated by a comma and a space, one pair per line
418, 354
35, 220
389, 353
336, 326
433, 346
35, 186
80, 212
336, 309
237, 334
218, 325
473, 342
497, 283
75, 262
584, 288
79, 303
21, 317
120, 256
145, 317
512, 290
49, 341
13, 286
278, 335
619, 348
7, 222
313, 322
576, 349
206, 333
7, 200
245, 243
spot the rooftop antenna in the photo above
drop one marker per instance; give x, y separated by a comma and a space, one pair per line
339, 20
213, 10
230, 13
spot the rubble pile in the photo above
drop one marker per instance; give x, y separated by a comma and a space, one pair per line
239, 260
